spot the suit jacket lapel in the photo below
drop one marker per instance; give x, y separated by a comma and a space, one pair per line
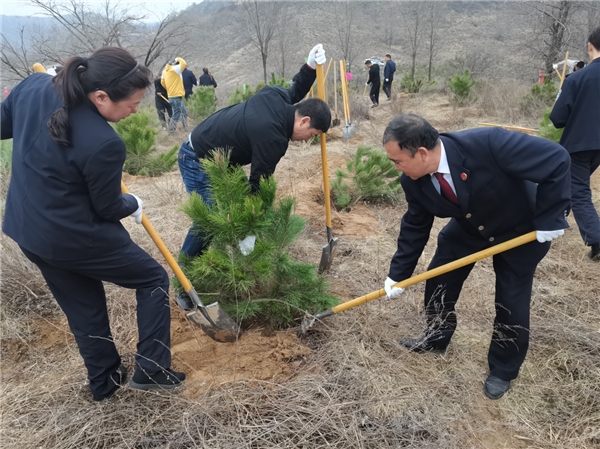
429, 189
460, 174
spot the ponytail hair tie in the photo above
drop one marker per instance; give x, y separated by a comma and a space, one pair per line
84, 61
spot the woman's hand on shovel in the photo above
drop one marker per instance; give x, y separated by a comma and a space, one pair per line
392, 292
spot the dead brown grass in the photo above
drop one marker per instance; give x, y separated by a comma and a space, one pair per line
357, 389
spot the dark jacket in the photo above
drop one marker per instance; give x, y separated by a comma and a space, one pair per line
257, 130
160, 89
389, 70
63, 203
374, 75
207, 80
577, 109
189, 81
507, 184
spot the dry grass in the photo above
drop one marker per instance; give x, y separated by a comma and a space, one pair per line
357, 389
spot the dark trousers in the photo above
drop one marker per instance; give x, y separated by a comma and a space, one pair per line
387, 88
78, 289
375, 92
514, 279
195, 180
583, 165
161, 108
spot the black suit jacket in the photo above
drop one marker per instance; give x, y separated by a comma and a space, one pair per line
507, 184
577, 109
374, 75
63, 203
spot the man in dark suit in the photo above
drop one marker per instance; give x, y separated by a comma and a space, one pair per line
206, 79
375, 82
388, 75
495, 185
577, 110
189, 81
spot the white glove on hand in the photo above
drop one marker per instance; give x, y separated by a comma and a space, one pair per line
316, 56
555, 66
247, 245
392, 292
546, 236
387, 80
138, 213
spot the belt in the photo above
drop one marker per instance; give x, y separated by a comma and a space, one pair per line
188, 142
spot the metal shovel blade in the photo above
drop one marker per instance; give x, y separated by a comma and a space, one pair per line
215, 323
328, 251
346, 134
352, 129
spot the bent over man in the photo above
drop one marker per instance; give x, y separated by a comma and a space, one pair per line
257, 131
495, 185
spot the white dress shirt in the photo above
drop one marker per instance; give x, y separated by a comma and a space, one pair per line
444, 169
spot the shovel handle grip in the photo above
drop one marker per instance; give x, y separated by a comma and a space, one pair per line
321, 95
510, 244
162, 247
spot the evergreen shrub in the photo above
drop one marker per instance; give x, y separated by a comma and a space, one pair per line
202, 103
139, 140
411, 85
374, 179
278, 81
547, 129
544, 94
242, 94
267, 284
462, 87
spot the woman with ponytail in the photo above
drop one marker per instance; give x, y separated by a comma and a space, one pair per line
64, 207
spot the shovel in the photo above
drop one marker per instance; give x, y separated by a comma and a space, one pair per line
347, 131
510, 244
351, 126
329, 248
213, 321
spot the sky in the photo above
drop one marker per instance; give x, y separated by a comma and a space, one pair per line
161, 8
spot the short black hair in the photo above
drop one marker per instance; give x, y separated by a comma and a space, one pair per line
594, 38
580, 65
205, 70
411, 132
368, 61
387, 55
317, 110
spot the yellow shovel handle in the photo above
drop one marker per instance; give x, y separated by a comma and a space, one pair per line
162, 247
321, 95
510, 244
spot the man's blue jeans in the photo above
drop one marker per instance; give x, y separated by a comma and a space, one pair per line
179, 112
195, 180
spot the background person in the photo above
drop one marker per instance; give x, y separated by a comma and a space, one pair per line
374, 81
206, 79
495, 185
64, 207
172, 80
189, 81
577, 110
162, 103
388, 75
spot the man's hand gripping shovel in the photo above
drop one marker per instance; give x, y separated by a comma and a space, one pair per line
213, 321
329, 248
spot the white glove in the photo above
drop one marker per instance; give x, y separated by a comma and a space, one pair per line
392, 292
546, 236
247, 245
316, 56
386, 80
555, 66
138, 213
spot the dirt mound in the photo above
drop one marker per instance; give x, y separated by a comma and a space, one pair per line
254, 357
359, 222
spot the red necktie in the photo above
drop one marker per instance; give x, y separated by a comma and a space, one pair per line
446, 191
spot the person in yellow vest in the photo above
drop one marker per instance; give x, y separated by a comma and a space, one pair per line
172, 80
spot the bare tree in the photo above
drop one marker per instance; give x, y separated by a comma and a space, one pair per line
263, 18
551, 31
435, 26
17, 57
284, 41
345, 27
413, 17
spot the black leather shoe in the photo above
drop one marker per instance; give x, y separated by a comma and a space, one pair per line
494, 387
420, 345
594, 254
118, 377
166, 379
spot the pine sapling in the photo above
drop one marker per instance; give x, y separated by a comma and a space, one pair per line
266, 284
